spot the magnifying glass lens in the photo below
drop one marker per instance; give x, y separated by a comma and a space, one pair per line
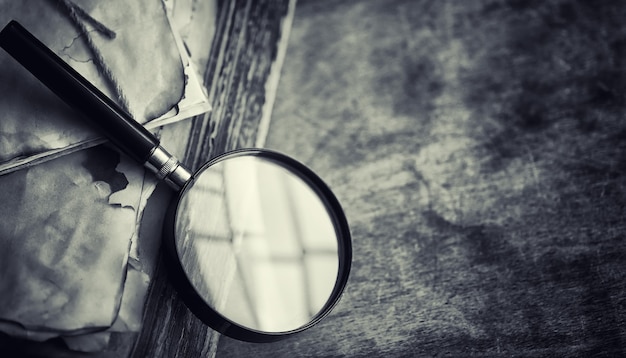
257, 244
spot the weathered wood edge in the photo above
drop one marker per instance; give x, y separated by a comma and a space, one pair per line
246, 56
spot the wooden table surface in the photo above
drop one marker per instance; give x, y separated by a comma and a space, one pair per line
478, 148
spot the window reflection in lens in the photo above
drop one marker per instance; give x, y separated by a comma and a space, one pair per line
257, 243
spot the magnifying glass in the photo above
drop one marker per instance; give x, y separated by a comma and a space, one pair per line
256, 244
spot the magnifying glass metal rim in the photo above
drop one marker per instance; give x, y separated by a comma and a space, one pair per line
132, 138
211, 316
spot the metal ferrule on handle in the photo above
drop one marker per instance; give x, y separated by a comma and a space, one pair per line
167, 168
114, 122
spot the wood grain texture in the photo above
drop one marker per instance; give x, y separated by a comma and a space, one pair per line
478, 149
242, 55
240, 63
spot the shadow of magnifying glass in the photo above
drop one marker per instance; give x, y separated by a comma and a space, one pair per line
256, 244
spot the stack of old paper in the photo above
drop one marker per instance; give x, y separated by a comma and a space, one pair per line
70, 211
140, 65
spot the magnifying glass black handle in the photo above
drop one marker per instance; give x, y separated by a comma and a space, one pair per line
114, 122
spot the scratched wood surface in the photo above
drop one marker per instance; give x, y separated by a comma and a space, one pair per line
478, 148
